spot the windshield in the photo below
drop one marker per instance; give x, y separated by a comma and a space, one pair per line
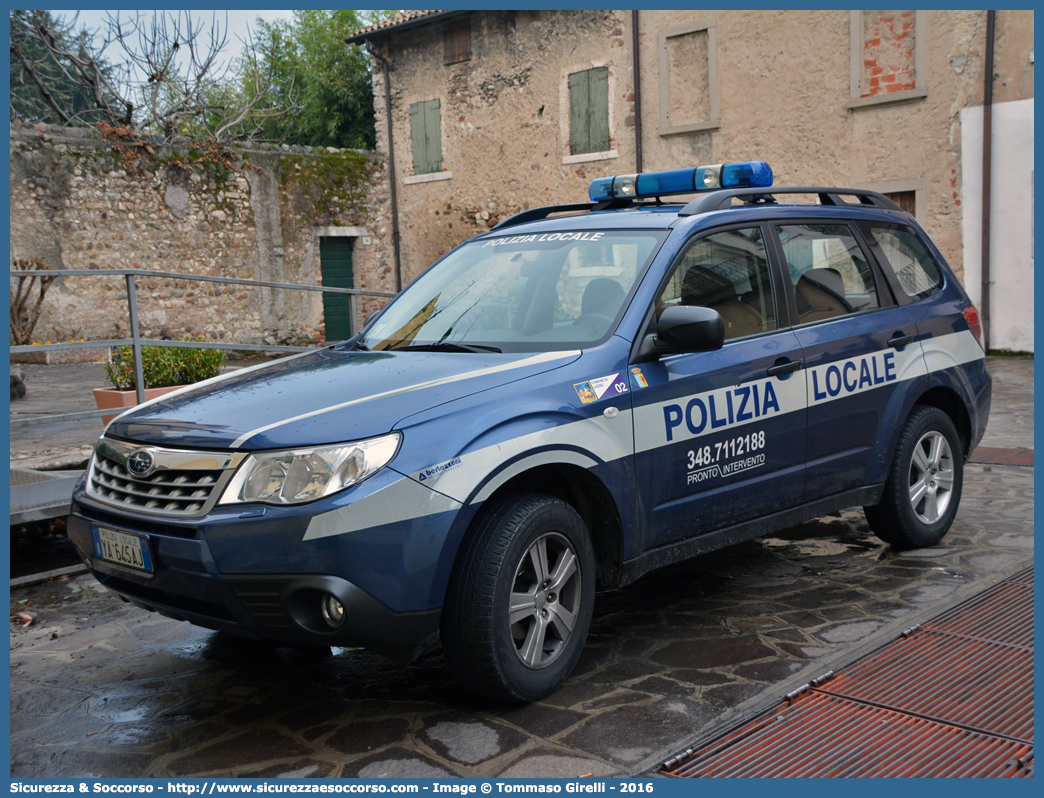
539, 292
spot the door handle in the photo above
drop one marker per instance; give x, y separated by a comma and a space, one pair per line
783, 368
898, 340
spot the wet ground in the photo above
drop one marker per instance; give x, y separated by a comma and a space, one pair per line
102, 688
58, 390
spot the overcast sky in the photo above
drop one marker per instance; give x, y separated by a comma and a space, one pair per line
239, 22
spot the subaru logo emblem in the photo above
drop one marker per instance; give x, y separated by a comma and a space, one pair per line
140, 463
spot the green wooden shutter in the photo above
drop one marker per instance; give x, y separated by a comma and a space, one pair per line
589, 111
335, 263
420, 147
579, 133
426, 134
598, 92
433, 135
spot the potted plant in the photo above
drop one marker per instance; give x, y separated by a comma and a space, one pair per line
165, 369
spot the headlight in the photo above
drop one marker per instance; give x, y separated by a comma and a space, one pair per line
294, 476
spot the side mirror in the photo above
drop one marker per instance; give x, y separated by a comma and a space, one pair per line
691, 329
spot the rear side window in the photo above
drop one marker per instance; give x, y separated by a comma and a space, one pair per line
831, 278
728, 272
919, 275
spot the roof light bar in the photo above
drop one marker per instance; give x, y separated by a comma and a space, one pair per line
744, 174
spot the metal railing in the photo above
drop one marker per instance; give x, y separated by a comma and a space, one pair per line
137, 342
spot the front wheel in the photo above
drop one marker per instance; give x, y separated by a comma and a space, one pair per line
520, 599
924, 485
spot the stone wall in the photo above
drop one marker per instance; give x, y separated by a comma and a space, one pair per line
83, 201
782, 89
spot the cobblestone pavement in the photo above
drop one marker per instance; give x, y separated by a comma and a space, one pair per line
61, 389
102, 688
53, 390
1011, 422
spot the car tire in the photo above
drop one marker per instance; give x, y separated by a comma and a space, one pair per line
924, 484
520, 599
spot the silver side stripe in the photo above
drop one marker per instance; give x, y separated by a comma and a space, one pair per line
688, 417
454, 481
401, 501
947, 351
526, 463
735, 406
605, 439
840, 378
544, 357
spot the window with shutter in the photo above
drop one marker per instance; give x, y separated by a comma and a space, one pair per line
456, 40
907, 200
589, 111
426, 135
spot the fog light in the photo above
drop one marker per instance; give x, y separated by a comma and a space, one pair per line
333, 611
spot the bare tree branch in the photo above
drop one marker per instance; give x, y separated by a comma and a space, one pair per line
154, 74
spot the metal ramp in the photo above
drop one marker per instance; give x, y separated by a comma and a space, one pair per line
40, 495
951, 697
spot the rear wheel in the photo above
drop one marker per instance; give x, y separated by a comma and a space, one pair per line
924, 485
520, 599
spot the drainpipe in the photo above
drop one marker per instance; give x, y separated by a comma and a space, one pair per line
391, 166
987, 152
637, 93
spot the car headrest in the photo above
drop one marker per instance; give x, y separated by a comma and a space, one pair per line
602, 296
826, 279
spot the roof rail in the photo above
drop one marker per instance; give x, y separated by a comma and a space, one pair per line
717, 200
536, 214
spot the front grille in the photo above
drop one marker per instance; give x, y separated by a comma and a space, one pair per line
181, 492
180, 483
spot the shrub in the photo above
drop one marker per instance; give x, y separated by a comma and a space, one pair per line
163, 366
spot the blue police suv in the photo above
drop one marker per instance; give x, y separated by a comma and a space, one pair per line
574, 398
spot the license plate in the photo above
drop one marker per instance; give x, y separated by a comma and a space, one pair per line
130, 551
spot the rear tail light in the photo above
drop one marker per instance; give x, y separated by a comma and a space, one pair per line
971, 315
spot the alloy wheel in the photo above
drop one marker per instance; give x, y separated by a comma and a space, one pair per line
931, 477
545, 600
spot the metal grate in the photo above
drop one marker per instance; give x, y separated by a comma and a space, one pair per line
1003, 614
953, 697
987, 455
825, 736
948, 678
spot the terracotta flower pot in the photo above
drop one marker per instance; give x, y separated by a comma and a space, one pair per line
112, 398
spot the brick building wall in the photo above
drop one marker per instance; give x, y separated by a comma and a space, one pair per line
889, 39
799, 89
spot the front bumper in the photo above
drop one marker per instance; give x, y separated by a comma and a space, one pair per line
188, 584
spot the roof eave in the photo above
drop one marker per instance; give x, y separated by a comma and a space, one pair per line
360, 38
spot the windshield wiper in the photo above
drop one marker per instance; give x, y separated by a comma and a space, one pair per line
350, 345
445, 346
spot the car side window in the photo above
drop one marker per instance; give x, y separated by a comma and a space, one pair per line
830, 275
726, 271
919, 275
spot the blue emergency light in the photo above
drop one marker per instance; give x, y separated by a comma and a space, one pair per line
745, 174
